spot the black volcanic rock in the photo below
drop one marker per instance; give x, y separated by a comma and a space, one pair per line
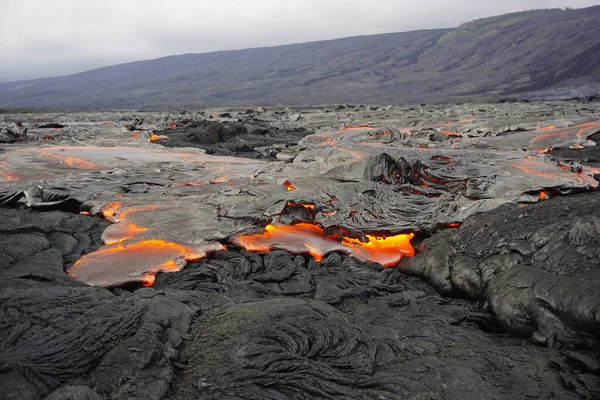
226, 138
537, 267
553, 51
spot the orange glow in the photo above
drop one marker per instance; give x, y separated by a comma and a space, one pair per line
289, 186
313, 251
308, 206
349, 127
454, 225
387, 251
85, 213
589, 180
596, 171
452, 134
221, 179
154, 138
442, 159
121, 214
48, 137
148, 280
7, 176
544, 196
121, 232
74, 162
194, 183
109, 210
137, 135
306, 238
577, 130
173, 125
123, 263
540, 169
544, 151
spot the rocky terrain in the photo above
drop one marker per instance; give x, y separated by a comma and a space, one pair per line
345, 251
542, 54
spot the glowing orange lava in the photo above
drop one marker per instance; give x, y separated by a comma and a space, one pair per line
154, 138
387, 251
350, 127
544, 196
137, 135
578, 131
308, 206
7, 176
124, 263
289, 186
540, 169
121, 232
109, 210
452, 134
221, 179
307, 238
74, 162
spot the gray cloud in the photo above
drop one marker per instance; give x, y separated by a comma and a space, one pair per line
40, 38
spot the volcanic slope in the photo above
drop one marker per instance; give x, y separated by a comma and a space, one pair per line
551, 50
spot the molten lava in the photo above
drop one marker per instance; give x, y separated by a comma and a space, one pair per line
154, 138
221, 179
7, 176
452, 134
289, 186
109, 210
122, 232
387, 251
544, 196
307, 238
135, 262
74, 162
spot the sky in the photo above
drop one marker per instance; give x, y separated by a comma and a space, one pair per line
42, 38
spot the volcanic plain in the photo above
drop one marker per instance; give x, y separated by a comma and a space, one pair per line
346, 251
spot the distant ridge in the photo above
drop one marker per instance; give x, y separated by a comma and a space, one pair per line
534, 53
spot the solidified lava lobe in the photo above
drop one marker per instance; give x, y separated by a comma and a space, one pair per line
307, 238
112, 266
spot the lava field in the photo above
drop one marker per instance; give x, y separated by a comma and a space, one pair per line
350, 251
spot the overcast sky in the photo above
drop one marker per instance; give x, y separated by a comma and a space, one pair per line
40, 38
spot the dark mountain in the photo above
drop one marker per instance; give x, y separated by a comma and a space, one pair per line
535, 53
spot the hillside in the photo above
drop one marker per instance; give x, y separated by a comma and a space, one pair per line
550, 51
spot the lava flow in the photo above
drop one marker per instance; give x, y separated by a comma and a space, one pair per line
135, 262
308, 238
123, 261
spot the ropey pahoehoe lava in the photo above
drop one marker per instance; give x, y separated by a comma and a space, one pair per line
251, 253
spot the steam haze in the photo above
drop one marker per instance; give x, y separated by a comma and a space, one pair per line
40, 38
